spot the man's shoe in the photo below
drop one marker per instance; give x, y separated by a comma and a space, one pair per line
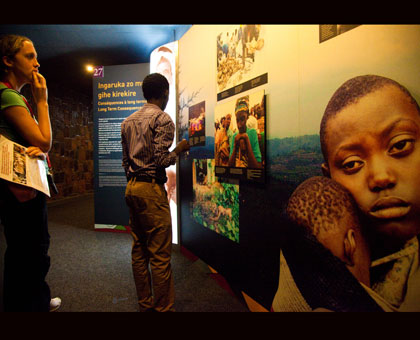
55, 304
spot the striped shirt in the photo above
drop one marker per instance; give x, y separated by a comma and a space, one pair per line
146, 136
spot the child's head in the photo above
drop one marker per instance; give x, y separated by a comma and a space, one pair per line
370, 138
329, 212
242, 113
222, 122
226, 123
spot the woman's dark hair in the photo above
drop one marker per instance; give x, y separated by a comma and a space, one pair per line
154, 86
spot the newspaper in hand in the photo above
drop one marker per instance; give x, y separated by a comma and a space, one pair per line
17, 167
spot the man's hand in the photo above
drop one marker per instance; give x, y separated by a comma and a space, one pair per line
182, 146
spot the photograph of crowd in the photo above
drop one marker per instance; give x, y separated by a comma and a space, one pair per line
240, 133
236, 54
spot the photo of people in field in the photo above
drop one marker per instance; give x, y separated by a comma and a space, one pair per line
240, 133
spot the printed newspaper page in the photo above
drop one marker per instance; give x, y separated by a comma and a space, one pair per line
17, 167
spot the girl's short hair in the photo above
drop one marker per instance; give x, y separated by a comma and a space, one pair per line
351, 91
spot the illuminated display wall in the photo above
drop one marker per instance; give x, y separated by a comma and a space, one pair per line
235, 225
163, 60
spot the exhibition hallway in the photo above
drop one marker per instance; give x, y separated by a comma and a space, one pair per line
91, 270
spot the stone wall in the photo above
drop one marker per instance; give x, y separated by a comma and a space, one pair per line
71, 155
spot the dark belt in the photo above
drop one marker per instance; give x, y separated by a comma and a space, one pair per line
148, 179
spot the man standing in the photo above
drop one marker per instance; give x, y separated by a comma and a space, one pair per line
146, 137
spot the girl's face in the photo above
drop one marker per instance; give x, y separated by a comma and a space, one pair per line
374, 151
241, 118
25, 63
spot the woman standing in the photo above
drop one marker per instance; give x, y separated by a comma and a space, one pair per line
23, 210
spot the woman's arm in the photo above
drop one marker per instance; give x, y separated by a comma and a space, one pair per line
40, 134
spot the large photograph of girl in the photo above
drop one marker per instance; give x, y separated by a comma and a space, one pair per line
354, 231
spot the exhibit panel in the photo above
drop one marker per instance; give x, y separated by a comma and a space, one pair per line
239, 227
226, 255
117, 93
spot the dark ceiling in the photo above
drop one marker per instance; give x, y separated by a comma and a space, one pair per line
64, 50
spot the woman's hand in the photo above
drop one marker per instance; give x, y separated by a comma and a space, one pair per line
240, 136
39, 88
34, 151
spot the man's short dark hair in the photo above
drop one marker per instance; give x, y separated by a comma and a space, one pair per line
154, 86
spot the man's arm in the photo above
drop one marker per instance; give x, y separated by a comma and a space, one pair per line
164, 134
125, 160
163, 139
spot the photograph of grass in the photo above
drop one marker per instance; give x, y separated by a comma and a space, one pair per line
215, 204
